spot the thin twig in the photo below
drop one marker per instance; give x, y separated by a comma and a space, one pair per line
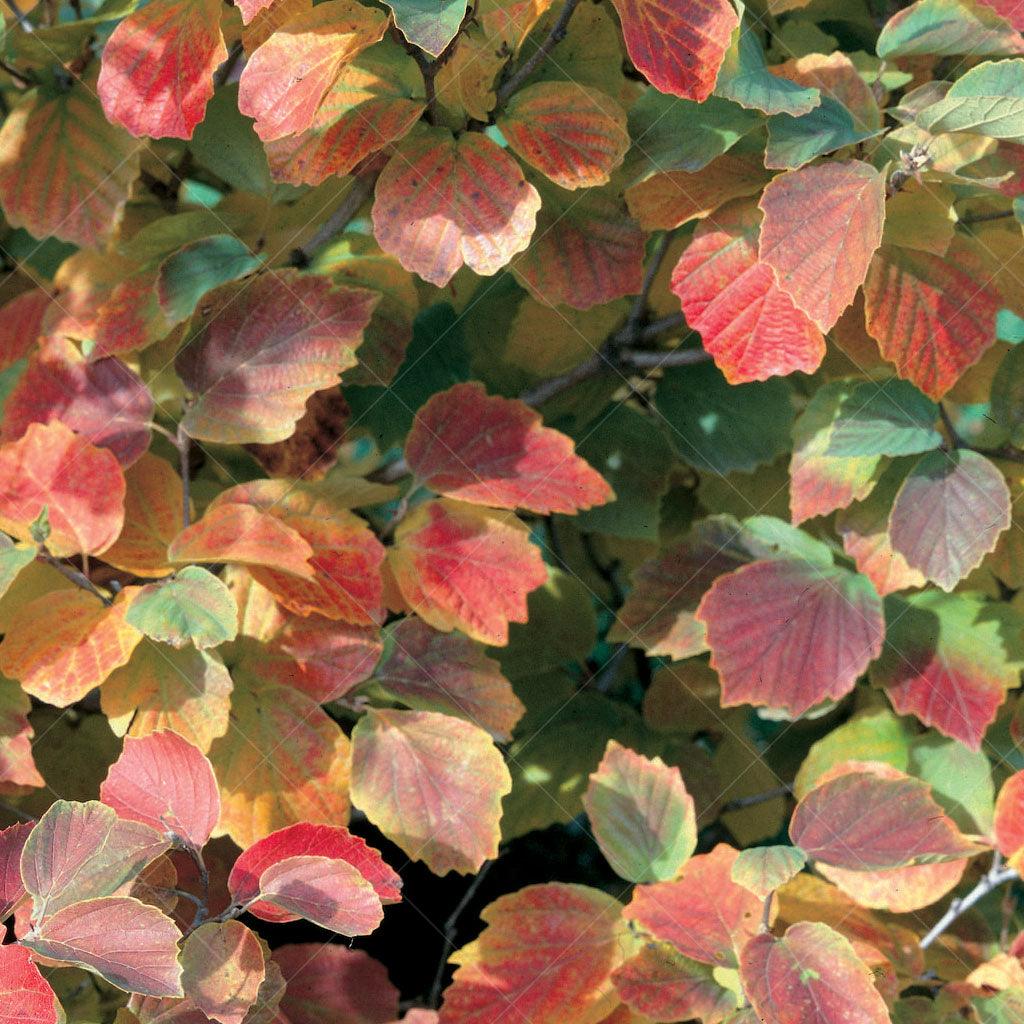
955, 440
204, 885
183, 443
996, 876
24, 78
639, 310
742, 802
766, 916
19, 15
450, 927
78, 578
646, 360
527, 68
980, 218
229, 65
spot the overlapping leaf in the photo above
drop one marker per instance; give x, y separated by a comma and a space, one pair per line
222, 970
1008, 826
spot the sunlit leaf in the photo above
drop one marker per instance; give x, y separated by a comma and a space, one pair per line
165, 782
428, 24
193, 606
947, 27
1008, 825
764, 869
432, 784
222, 970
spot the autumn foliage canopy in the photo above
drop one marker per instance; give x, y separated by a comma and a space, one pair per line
550, 469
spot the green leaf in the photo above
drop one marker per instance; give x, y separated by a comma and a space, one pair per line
961, 780
193, 606
226, 144
719, 427
946, 28
429, 24
187, 275
988, 100
795, 141
14, 558
888, 418
39, 529
1008, 394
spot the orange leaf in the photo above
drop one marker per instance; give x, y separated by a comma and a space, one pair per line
263, 348
575, 135
287, 78
18, 770
222, 970
495, 451
1008, 825
63, 644
432, 784
81, 487
822, 224
158, 65
468, 568
21, 324
679, 45
442, 202
61, 137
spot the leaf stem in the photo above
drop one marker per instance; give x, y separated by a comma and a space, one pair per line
527, 68
450, 927
70, 573
996, 876
742, 802
183, 443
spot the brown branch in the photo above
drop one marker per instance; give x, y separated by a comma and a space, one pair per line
527, 68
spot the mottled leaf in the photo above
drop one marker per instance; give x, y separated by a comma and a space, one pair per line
222, 970
763, 869
195, 269
193, 606
1008, 824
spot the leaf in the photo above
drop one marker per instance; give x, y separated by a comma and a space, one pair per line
222, 970
884, 418
948, 515
658, 613
796, 141
863, 822
641, 814
664, 985
462, 567
719, 428
313, 450
80, 851
195, 269
574, 135
790, 634
821, 482
585, 251
443, 202
703, 913
163, 781
304, 840
22, 321
102, 401
821, 226
987, 100
375, 101
286, 79
495, 451
186, 691
546, 955
128, 943
932, 316
432, 784
899, 890
193, 606
158, 65
243, 534
306, 780
749, 326
263, 348
431, 671
335, 983
81, 487
1007, 397
13, 558
429, 24
324, 890
12, 888
26, 996
764, 869
949, 659
679, 48
1009, 819
18, 771
62, 138
811, 974
62, 645
946, 28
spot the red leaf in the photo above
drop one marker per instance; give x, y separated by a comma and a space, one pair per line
61, 137
1011, 10
546, 956
263, 348
81, 486
575, 135
442, 202
932, 316
165, 782
811, 975
495, 451
429, 670
345, 986
81, 851
12, 888
822, 224
158, 65
790, 634
1008, 824
704, 914
103, 401
126, 942
747, 323
25, 996
949, 514
864, 821
468, 568
328, 892
21, 324
305, 840
287, 78
679, 45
